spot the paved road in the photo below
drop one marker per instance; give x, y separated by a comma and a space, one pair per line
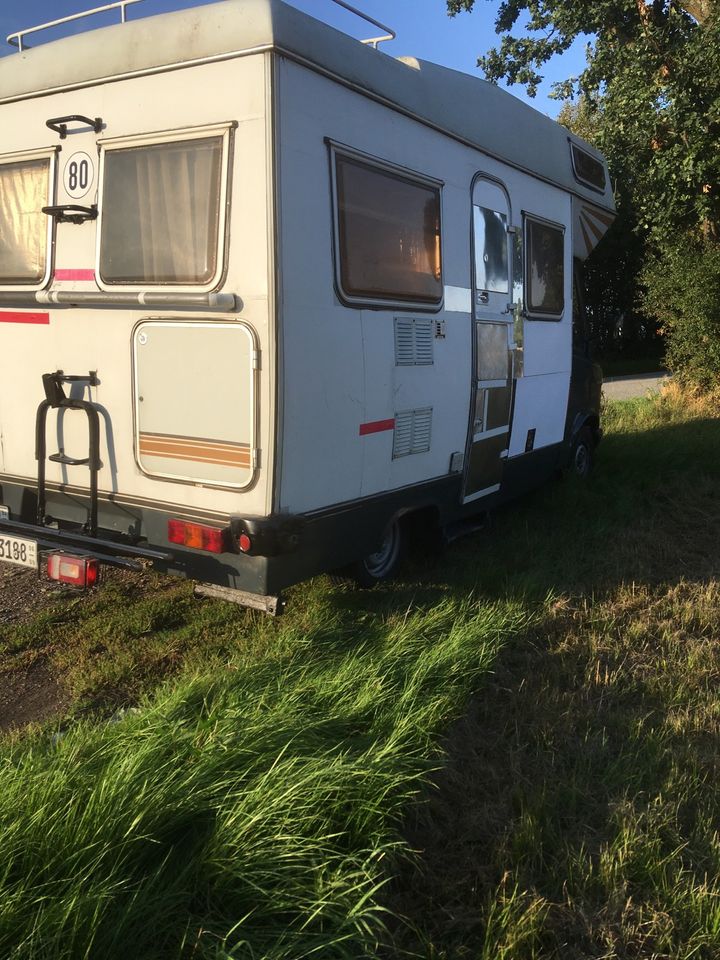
636, 385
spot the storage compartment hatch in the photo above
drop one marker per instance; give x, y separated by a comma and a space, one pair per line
195, 401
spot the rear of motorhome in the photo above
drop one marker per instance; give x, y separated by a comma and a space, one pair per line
268, 295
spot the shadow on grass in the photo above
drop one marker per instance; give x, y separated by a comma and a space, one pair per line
578, 787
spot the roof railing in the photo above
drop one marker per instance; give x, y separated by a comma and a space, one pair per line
371, 41
17, 39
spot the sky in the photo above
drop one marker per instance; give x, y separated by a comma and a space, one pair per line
423, 29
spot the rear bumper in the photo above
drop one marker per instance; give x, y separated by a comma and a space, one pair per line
129, 535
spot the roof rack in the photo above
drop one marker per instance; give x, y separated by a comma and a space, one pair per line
16, 39
371, 41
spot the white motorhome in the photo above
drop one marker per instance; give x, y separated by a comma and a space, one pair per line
268, 295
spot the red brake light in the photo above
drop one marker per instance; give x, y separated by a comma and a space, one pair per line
78, 571
197, 536
245, 543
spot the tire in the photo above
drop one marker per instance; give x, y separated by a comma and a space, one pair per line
582, 456
383, 563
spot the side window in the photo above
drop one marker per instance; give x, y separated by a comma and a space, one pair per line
545, 273
25, 188
161, 211
491, 250
587, 169
388, 234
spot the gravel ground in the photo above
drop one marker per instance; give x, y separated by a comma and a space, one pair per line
31, 691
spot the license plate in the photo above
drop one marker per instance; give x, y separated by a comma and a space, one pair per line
19, 551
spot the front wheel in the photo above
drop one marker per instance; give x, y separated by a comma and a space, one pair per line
583, 454
383, 563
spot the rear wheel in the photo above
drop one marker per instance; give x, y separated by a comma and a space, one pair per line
383, 563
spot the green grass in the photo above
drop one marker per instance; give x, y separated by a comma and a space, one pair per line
283, 793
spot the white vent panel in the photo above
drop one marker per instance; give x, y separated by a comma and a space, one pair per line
413, 342
413, 432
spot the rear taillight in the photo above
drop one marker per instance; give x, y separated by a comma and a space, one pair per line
197, 536
77, 571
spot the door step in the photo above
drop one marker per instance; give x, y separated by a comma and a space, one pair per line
465, 528
272, 605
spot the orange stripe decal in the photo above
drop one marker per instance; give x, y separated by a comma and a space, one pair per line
219, 452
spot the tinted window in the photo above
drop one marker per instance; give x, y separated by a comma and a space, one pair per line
588, 169
23, 225
161, 212
545, 275
491, 254
388, 234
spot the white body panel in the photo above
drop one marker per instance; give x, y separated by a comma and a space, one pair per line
77, 340
325, 410
339, 369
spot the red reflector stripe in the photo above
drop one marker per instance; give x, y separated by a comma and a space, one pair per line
376, 426
74, 274
11, 317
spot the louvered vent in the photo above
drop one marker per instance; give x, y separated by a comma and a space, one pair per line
413, 430
413, 342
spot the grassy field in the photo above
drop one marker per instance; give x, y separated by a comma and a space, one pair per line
509, 753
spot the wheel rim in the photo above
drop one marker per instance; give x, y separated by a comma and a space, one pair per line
379, 563
582, 460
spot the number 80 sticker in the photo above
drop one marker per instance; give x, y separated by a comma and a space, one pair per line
79, 175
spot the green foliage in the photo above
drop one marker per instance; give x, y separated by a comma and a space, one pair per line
682, 289
649, 99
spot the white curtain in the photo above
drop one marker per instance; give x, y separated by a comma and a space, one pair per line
23, 225
161, 210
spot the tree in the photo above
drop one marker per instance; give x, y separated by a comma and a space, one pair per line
654, 72
649, 98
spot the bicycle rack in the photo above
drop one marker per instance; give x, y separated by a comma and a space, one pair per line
55, 399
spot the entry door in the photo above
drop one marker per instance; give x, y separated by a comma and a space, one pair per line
491, 395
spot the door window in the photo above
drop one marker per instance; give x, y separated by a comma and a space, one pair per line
491, 250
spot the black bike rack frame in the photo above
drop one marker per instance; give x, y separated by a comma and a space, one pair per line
55, 399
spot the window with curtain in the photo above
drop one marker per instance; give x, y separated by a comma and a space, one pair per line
546, 269
161, 212
23, 225
388, 234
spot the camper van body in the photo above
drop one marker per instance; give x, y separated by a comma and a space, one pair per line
300, 290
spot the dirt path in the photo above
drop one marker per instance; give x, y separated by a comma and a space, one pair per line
635, 385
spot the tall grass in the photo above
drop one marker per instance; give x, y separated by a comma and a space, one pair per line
245, 814
284, 793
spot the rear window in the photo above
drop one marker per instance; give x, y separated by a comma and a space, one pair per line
24, 188
161, 212
388, 234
